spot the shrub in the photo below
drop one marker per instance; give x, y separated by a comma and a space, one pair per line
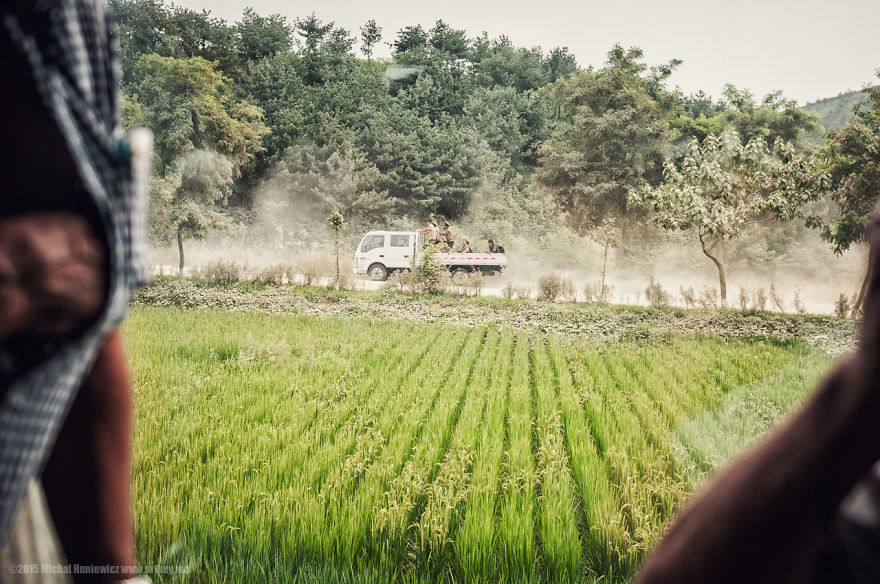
221, 273
311, 272
275, 275
798, 304
759, 299
473, 284
595, 294
776, 300
842, 306
401, 281
428, 273
743, 299
509, 290
553, 286
708, 298
655, 294
688, 296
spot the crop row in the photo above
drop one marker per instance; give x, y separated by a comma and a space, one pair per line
279, 448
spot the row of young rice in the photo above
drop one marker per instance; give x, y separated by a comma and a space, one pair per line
284, 448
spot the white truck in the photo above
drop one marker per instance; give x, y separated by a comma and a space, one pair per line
382, 252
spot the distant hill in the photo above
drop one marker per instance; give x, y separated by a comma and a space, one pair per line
835, 112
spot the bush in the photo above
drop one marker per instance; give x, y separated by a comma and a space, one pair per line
776, 300
275, 275
508, 291
798, 304
473, 284
655, 294
688, 296
743, 299
595, 294
842, 306
553, 286
708, 298
759, 300
401, 281
221, 273
428, 272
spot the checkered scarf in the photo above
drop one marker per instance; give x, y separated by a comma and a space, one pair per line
70, 47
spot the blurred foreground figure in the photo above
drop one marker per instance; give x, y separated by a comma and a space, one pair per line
71, 250
804, 506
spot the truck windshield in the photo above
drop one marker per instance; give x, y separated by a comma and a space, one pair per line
372, 242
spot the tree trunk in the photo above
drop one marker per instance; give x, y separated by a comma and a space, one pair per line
180, 252
604, 264
721, 278
337, 261
858, 303
624, 235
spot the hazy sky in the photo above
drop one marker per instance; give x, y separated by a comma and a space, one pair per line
810, 49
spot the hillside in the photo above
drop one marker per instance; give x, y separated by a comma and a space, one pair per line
835, 112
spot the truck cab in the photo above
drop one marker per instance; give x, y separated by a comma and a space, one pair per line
381, 252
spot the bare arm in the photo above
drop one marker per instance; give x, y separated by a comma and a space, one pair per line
763, 519
52, 274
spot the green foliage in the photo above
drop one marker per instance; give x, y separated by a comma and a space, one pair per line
259, 37
185, 203
189, 105
554, 286
619, 121
842, 306
723, 186
656, 295
428, 273
852, 160
431, 168
221, 273
774, 118
371, 33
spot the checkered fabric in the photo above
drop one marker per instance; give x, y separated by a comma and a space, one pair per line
70, 47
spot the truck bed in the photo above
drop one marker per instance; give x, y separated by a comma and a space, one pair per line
472, 259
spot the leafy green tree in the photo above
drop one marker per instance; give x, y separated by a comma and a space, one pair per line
852, 162
311, 180
428, 167
259, 37
512, 123
499, 63
559, 63
203, 136
274, 83
185, 201
618, 124
325, 50
409, 38
776, 117
449, 42
148, 26
371, 34
722, 187
189, 105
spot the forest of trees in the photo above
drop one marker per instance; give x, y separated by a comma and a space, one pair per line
299, 118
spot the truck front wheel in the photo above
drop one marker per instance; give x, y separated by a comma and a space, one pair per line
378, 272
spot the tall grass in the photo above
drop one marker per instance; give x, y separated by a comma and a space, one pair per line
285, 448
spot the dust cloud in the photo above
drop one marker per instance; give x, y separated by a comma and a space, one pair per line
287, 226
